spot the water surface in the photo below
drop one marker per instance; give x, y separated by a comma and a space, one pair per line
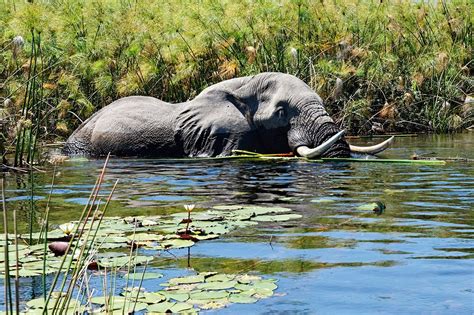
418, 257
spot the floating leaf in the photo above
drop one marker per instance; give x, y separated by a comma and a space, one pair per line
206, 237
262, 293
178, 296
177, 243
228, 207
149, 222
187, 280
180, 307
217, 285
163, 307
265, 284
220, 277
377, 207
247, 278
208, 295
214, 305
102, 300
277, 218
142, 237
240, 298
145, 276
152, 297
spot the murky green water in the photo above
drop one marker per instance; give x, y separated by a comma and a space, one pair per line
418, 257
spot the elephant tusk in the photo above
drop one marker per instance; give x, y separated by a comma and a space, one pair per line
309, 153
372, 149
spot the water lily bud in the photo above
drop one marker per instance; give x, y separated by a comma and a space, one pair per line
59, 248
189, 208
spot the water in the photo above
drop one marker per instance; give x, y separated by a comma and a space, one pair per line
418, 257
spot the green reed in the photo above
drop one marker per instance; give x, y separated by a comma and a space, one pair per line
8, 289
392, 63
31, 115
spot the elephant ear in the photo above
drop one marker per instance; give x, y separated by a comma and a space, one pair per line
213, 124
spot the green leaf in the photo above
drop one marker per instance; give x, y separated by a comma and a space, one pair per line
177, 243
187, 280
367, 206
221, 277
143, 237
162, 307
145, 276
101, 300
152, 297
228, 207
277, 218
265, 284
180, 307
240, 298
178, 296
217, 285
208, 295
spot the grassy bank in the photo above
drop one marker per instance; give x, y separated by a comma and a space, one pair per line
380, 66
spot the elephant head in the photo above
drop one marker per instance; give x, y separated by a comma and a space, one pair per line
286, 110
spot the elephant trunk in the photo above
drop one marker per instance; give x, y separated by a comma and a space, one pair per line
312, 128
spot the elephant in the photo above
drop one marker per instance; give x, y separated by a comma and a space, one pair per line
265, 113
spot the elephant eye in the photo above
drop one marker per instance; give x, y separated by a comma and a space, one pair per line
280, 113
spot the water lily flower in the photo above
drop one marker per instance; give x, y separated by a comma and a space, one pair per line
190, 207
67, 228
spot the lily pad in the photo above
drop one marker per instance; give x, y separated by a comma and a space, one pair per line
277, 218
265, 284
178, 296
142, 237
163, 307
181, 307
145, 276
187, 280
102, 300
217, 285
152, 297
228, 207
208, 295
220, 277
177, 243
241, 298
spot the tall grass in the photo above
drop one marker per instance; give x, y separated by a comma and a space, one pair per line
406, 65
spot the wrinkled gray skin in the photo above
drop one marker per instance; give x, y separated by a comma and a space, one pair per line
265, 113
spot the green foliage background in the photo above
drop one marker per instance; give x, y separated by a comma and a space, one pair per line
406, 65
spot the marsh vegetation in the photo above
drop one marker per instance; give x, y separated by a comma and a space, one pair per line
380, 66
